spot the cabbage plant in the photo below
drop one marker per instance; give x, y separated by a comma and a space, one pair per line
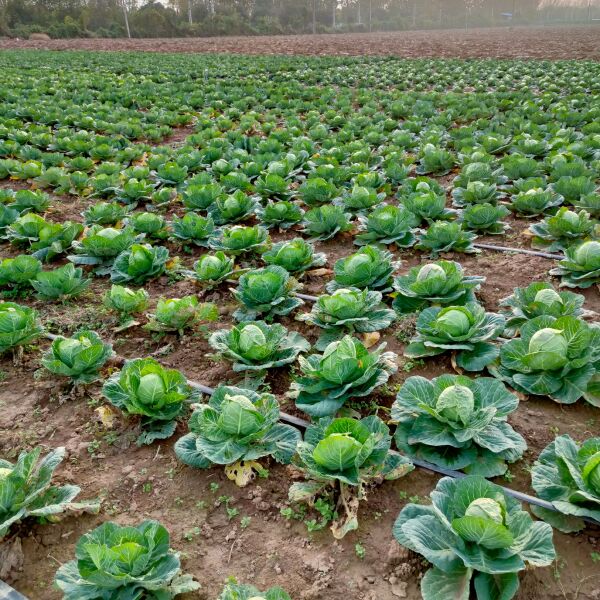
458, 423
79, 357
126, 301
325, 222
235, 591
61, 283
370, 268
555, 357
266, 292
193, 229
212, 269
257, 346
26, 230
387, 225
572, 188
444, 236
139, 263
26, 490
232, 209
31, 201
427, 203
581, 266
240, 239
567, 475
19, 326
558, 232
124, 562
105, 213
345, 370
360, 199
316, 191
178, 314
590, 203
475, 192
440, 283
343, 456
7, 217
100, 246
534, 202
435, 160
237, 427
55, 239
281, 214
18, 272
144, 387
537, 299
201, 196
348, 311
468, 330
294, 256
473, 534
485, 218
152, 225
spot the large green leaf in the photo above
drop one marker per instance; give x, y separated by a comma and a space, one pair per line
440, 585
496, 587
483, 532
432, 540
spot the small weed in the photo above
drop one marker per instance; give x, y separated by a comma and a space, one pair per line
409, 365
359, 550
245, 522
93, 447
190, 534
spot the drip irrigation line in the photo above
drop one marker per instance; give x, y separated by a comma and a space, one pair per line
520, 251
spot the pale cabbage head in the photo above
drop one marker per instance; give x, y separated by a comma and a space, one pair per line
239, 416
454, 322
486, 508
548, 297
109, 233
456, 403
588, 255
430, 272
591, 472
337, 451
253, 343
572, 218
209, 267
548, 349
151, 390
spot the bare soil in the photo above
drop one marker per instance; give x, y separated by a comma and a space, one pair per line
551, 43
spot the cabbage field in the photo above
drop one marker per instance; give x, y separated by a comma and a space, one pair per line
299, 328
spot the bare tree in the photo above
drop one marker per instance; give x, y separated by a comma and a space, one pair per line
126, 17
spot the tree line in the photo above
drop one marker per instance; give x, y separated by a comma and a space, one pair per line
171, 18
